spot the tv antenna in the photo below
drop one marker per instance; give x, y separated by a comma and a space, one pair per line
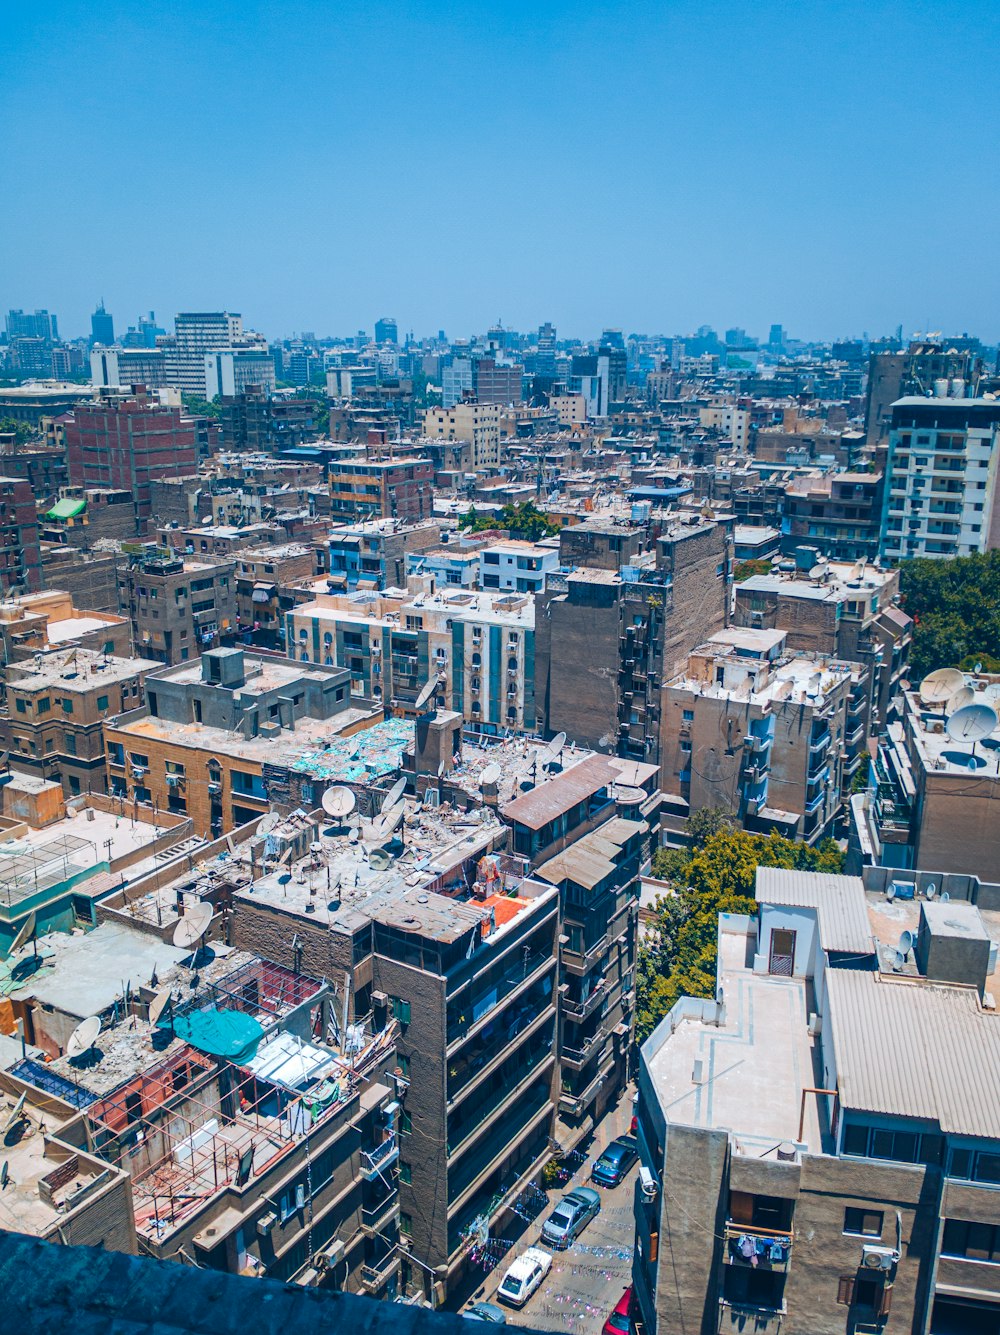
84, 1036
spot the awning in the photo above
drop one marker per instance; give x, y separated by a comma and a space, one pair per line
68, 508
262, 593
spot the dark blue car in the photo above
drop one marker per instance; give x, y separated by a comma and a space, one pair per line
615, 1162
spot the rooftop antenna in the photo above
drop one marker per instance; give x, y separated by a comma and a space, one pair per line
972, 723
395, 793
26, 934
426, 695
191, 929
965, 695
938, 687
338, 802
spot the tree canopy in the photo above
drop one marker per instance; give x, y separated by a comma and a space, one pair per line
955, 606
716, 875
523, 521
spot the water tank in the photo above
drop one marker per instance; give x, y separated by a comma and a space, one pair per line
940, 389
958, 388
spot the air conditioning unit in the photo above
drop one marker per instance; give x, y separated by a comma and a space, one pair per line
878, 1258
380, 999
266, 1223
753, 806
647, 1183
332, 1254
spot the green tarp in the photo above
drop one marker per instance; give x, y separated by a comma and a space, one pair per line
67, 508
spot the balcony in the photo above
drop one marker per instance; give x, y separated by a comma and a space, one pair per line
576, 1104
376, 1218
376, 1162
375, 1275
582, 961
577, 1058
520, 976
757, 1248
744, 1316
819, 744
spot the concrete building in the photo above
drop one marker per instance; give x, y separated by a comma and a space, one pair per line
624, 619
519, 567
498, 382
767, 734
451, 567
941, 479
253, 420
456, 381
42, 623
232, 372
213, 731
56, 711
373, 553
845, 611
478, 423
122, 368
196, 334
178, 606
730, 421
401, 487
480, 648
840, 513
259, 574
840, 1175
124, 444
923, 369
931, 799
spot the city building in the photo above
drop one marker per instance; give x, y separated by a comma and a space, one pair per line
102, 327
400, 487
235, 370
769, 735
212, 729
375, 553
254, 421
498, 382
42, 623
925, 368
56, 708
20, 551
840, 513
942, 471
196, 334
520, 567
545, 355
386, 330
818, 1140
124, 444
478, 423
456, 381
259, 574
478, 646
114, 368
178, 606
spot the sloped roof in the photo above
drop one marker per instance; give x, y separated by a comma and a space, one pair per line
839, 901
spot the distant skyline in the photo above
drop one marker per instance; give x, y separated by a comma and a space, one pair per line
829, 166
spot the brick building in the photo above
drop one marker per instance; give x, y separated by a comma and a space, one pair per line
178, 606
20, 552
395, 488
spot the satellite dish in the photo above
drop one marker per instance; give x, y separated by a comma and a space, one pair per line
158, 1005
965, 695
338, 801
628, 774
386, 825
24, 935
16, 1115
490, 775
193, 926
817, 572
284, 878
395, 793
84, 1036
426, 694
905, 943
931, 890
938, 687
945, 897
268, 822
554, 750
972, 723
380, 859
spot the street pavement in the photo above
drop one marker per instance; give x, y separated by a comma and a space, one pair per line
587, 1279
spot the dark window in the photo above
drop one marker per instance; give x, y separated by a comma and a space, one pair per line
974, 1242
866, 1223
401, 1010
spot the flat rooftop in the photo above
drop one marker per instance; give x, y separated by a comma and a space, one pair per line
745, 1076
77, 672
940, 752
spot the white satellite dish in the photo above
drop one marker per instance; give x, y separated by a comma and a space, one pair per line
384, 826
426, 694
931, 890
84, 1036
905, 943
938, 687
972, 723
158, 1005
965, 695
379, 859
394, 794
553, 751
817, 572
17, 1115
628, 774
26, 933
193, 926
268, 823
338, 801
490, 775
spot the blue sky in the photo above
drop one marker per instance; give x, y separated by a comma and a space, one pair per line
652, 166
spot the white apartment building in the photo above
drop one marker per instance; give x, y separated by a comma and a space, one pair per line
732, 422
478, 423
940, 494
231, 371
520, 567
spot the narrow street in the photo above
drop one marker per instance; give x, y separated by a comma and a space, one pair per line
587, 1279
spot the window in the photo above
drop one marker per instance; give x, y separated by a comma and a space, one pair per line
102, 702
69, 741
67, 706
405, 1172
405, 1224
400, 1010
876, 1142
22, 707
864, 1223
688, 716
44, 704
975, 1166
971, 1241
405, 1123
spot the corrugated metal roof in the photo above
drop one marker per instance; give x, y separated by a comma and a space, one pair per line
560, 794
916, 1049
839, 901
592, 858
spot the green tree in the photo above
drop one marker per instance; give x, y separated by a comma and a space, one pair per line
678, 958
22, 431
523, 521
198, 406
955, 606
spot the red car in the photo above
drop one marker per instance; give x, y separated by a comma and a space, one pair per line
620, 1320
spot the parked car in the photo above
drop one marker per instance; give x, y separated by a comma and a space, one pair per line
570, 1217
486, 1312
524, 1276
615, 1162
619, 1321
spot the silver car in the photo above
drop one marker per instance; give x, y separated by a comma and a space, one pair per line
570, 1217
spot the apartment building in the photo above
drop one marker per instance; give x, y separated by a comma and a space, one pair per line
769, 735
931, 799
254, 420
839, 513
216, 734
197, 334
922, 369
478, 423
469, 976
123, 444
41, 623
478, 646
56, 709
259, 574
373, 553
398, 488
121, 368
841, 1175
517, 566
730, 421
941, 476
617, 625
178, 606
844, 611
20, 551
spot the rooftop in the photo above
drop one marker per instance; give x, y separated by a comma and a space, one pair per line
839, 901
971, 747
76, 672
